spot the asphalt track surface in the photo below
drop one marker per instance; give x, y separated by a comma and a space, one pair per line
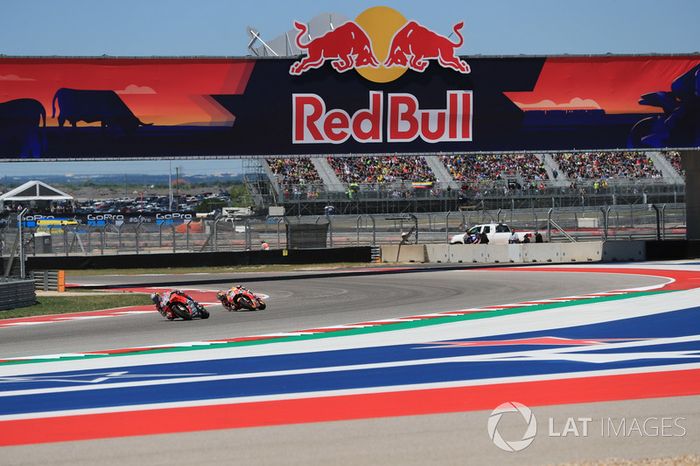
453, 438
308, 303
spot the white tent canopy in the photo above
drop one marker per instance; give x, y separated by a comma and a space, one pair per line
34, 191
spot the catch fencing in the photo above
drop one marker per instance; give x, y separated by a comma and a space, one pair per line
626, 222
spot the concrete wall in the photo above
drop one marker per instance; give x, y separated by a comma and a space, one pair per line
596, 251
408, 253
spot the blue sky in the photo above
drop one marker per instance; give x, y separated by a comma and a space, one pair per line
218, 27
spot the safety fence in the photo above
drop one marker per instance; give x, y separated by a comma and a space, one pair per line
666, 221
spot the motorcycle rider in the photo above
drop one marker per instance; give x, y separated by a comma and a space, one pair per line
232, 294
162, 302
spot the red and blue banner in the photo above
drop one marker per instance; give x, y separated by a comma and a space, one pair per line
367, 86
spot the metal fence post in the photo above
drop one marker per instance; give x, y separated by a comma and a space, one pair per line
605, 224
119, 238
658, 222
663, 222
279, 220
137, 237
330, 230
66, 249
20, 219
248, 235
549, 225
447, 227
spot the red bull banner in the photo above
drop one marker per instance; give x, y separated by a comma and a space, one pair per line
378, 84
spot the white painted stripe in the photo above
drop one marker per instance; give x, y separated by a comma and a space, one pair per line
13, 324
540, 354
83, 317
362, 391
587, 313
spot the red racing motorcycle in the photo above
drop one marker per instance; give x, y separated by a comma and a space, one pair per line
241, 299
181, 305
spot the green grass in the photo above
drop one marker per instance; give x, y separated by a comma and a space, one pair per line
66, 304
229, 269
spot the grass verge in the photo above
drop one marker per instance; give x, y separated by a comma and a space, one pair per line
65, 304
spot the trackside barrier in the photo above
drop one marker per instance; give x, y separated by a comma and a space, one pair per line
221, 258
49, 280
624, 251
594, 251
16, 293
404, 253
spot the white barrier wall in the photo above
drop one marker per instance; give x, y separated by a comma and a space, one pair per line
408, 253
595, 251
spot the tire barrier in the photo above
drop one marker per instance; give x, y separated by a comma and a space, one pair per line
49, 280
16, 293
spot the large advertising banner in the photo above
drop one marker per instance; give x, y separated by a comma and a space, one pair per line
380, 84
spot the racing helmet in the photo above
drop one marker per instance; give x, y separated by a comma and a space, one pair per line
155, 297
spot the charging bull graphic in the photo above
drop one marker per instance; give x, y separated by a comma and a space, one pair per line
92, 106
679, 125
22, 123
348, 46
414, 44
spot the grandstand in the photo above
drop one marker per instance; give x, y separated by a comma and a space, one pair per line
391, 183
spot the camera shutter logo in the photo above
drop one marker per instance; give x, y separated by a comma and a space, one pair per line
528, 417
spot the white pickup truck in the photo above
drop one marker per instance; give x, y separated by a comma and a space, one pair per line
497, 233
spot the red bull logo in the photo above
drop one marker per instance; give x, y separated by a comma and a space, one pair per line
413, 45
348, 46
313, 123
381, 44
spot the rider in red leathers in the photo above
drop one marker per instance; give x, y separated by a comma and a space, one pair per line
162, 303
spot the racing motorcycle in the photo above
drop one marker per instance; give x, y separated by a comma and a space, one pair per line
186, 309
244, 299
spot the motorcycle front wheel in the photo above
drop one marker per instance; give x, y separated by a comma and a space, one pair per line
181, 310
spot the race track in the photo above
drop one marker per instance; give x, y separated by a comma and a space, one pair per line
347, 369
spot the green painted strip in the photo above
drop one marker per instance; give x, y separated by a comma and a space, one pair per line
356, 331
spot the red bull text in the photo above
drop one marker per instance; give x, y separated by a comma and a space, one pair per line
313, 123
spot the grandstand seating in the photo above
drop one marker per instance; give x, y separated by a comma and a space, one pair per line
596, 165
675, 159
474, 168
381, 169
292, 171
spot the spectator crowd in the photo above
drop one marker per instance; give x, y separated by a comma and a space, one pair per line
675, 159
293, 171
386, 169
474, 168
599, 165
